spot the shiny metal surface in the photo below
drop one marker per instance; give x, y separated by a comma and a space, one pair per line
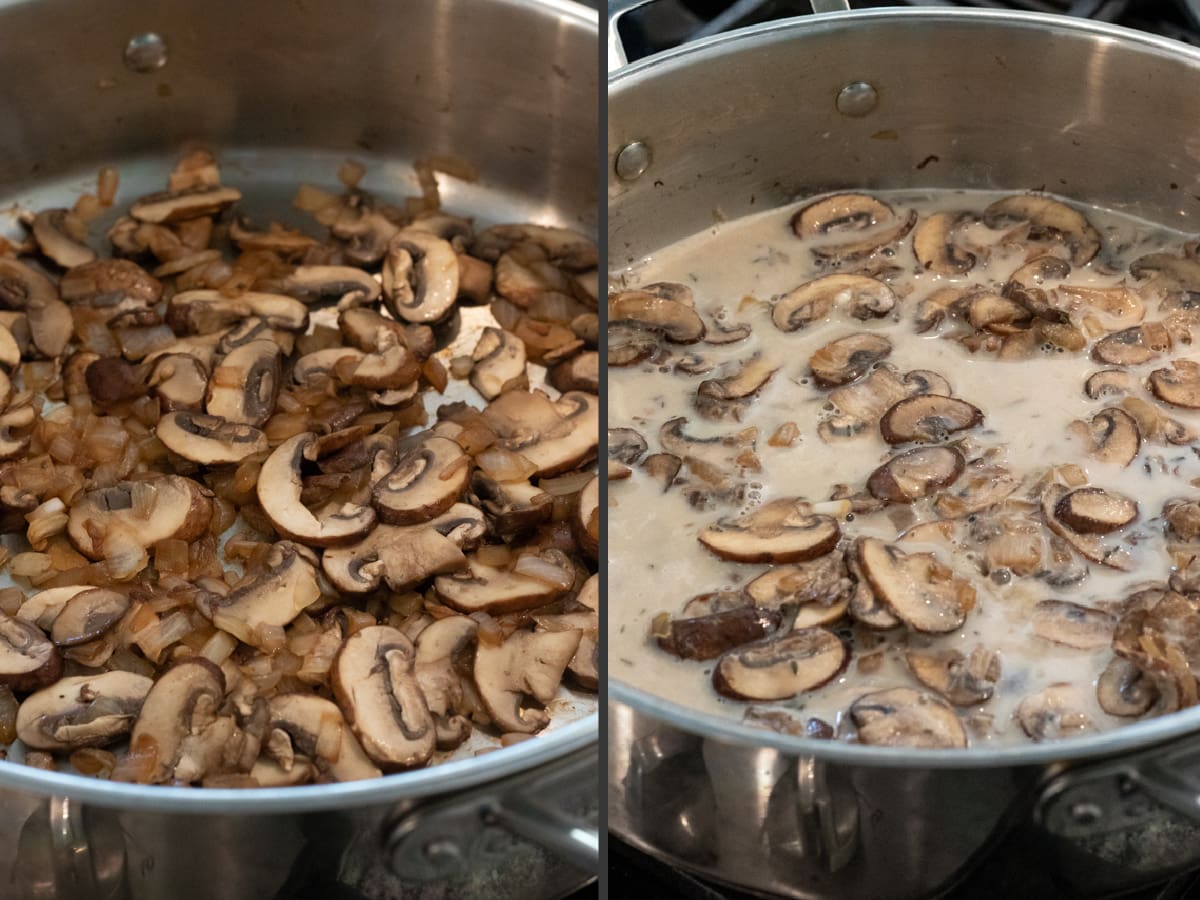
751, 120
283, 91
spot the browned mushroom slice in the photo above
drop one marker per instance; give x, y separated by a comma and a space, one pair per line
279, 487
675, 321
1027, 286
377, 689
180, 717
205, 311
242, 389
1072, 625
1125, 690
1111, 436
308, 726
586, 523
1048, 220
61, 235
88, 615
847, 358
82, 711
915, 474
708, 636
579, 373
921, 382
50, 326
936, 308
1095, 511
430, 475
917, 588
27, 659
1089, 546
21, 284
1183, 271
997, 314
629, 344
867, 400
819, 589
269, 599
528, 664
330, 284
782, 531
178, 206
1053, 713
1178, 385
499, 366
440, 647
850, 226
962, 680
905, 717
513, 507
420, 277
207, 439
1155, 425
404, 556
563, 247
927, 418
1110, 383
1183, 518
180, 382
865, 606
933, 244
484, 588
1133, 346
720, 398
160, 508
555, 436
782, 667
863, 297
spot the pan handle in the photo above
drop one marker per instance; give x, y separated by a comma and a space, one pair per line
617, 9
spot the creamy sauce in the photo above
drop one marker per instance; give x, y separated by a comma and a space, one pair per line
736, 270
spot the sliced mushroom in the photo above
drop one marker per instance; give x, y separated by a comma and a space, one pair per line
511, 507
563, 247
1089, 546
936, 308
1111, 436
438, 651
708, 636
344, 285
863, 297
962, 680
1125, 690
1155, 425
179, 381
579, 373
61, 235
82, 711
1027, 286
316, 728
87, 616
720, 398
378, 692
499, 366
675, 321
850, 226
404, 556
205, 311
555, 436
51, 326
819, 590
583, 666
782, 531
420, 277
1110, 383
865, 606
180, 717
276, 239
781, 667
178, 206
905, 717
915, 474
1183, 518
21, 285
243, 387
160, 508
917, 588
928, 418
997, 314
1072, 625
484, 588
430, 475
526, 664
1048, 220
1178, 385
209, 440
27, 659
586, 524
1053, 713
1133, 346
848, 358
1095, 511
270, 598
933, 244
110, 282
279, 487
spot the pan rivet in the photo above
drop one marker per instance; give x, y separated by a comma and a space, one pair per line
146, 52
1086, 813
857, 99
443, 854
632, 161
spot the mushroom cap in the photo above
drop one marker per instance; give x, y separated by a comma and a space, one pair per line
279, 487
21, 284
927, 418
204, 311
781, 667
179, 381
484, 588
316, 728
208, 440
378, 692
181, 703
106, 281
160, 508
430, 475
60, 235
1092, 510
330, 284
527, 663
709, 636
1089, 545
82, 711
27, 659
906, 717
917, 589
1133, 346
273, 597
782, 531
511, 507
848, 358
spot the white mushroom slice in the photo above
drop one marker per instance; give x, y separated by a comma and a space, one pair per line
180, 717
273, 597
934, 247
279, 487
555, 436
1048, 220
439, 648
1110, 383
178, 206
500, 361
209, 440
1073, 625
430, 475
205, 311
848, 358
928, 418
782, 531
1053, 713
1178, 385
378, 692
1111, 436
243, 387
87, 616
404, 556
420, 277
27, 659
1133, 346
160, 508
1125, 690
61, 235
904, 717
316, 728
863, 297
1089, 546
1095, 511
915, 474
484, 588
82, 711
781, 667
526, 664
850, 226
962, 680
675, 321
917, 588
330, 284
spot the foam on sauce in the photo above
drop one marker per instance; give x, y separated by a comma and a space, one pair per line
656, 563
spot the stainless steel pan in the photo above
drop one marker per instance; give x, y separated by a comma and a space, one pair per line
873, 100
284, 91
